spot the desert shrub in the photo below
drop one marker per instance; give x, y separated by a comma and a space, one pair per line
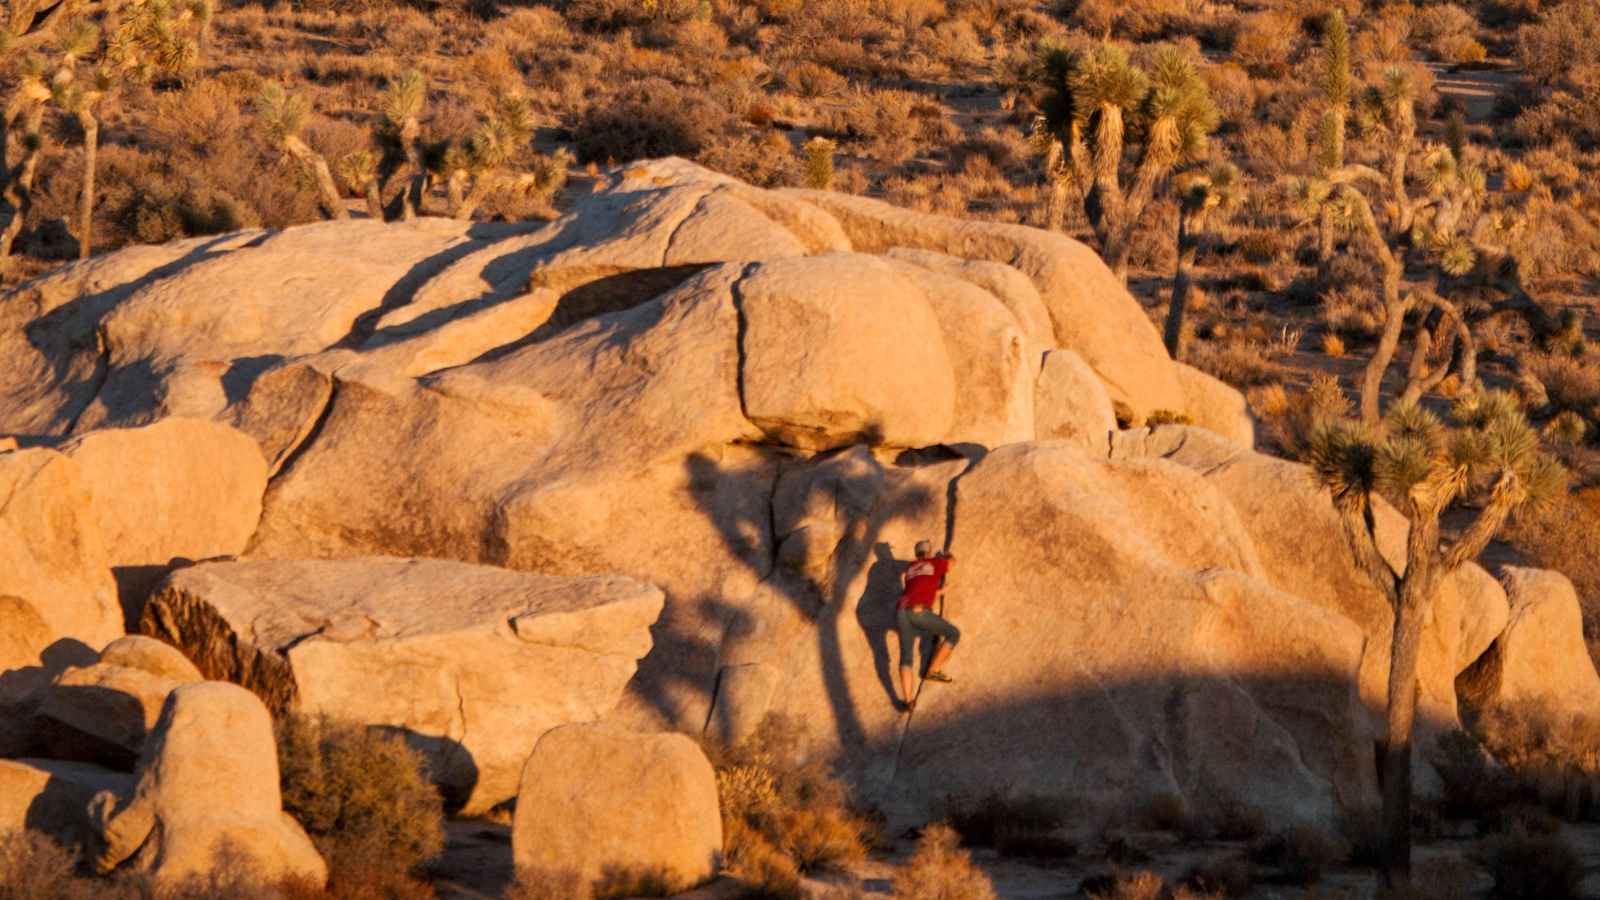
1232, 90
1297, 855
1527, 867
783, 814
1167, 417
1015, 825
1265, 43
1445, 29
941, 870
1140, 886
34, 867
1549, 757
1474, 786
650, 119
811, 80
1241, 363
1230, 876
1566, 37
1570, 383
818, 165
548, 885
362, 795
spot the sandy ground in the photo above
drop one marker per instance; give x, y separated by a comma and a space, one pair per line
477, 866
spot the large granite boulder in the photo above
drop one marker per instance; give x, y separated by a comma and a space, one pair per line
471, 662
207, 792
51, 550
171, 492
1225, 691
609, 803
1538, 665
1303, 550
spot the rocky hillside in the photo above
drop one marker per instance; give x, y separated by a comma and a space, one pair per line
660, 463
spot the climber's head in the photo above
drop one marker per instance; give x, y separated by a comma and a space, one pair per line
924, 549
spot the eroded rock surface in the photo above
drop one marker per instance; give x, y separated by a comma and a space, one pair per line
472, 663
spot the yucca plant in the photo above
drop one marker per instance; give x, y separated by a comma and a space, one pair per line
1425, 466
1219, 188
1098, 100
26, 107
1331, 129
818, 163
280, 115
474, 166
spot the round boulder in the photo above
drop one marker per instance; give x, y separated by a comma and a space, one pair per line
617, 806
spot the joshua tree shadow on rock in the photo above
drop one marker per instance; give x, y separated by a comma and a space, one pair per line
868, 507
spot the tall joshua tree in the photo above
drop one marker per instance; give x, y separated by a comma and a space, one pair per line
475, 166
1331, 129
79, 97
1218, 188
280, 115
1097, 101
1337, 197
1427, 467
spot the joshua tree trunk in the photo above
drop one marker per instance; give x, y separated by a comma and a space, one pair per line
411, 196
1188, 247
374, 200
19, 190
1056, 185
91, 149
1417, 590
326, 186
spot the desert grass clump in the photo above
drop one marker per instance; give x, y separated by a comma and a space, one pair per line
1145, 886
653, 118
1297, 855
1014, 824
1529, 867
363, 796
784, 814
941, 870
1551, 758
34, 867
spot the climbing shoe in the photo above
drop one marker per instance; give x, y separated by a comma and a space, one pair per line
938, 676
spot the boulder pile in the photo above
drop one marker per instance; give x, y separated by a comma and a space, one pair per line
658, 464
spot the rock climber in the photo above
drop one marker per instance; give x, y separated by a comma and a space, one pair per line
914, 617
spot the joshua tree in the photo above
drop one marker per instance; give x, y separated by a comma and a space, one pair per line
1217, 188
400, 139
79, 98
1426, 467
280, 117
359, 172
25, 107
1336, 197
1331, 130
475, 166
1097, 97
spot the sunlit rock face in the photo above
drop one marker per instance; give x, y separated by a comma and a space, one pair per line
749, 405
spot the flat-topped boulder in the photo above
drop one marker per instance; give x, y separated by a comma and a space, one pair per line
472, 662
102, 713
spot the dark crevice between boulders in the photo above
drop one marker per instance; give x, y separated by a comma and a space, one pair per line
736, 291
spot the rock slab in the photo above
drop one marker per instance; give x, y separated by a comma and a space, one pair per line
472, 662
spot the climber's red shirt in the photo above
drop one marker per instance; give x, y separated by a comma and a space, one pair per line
923, 580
